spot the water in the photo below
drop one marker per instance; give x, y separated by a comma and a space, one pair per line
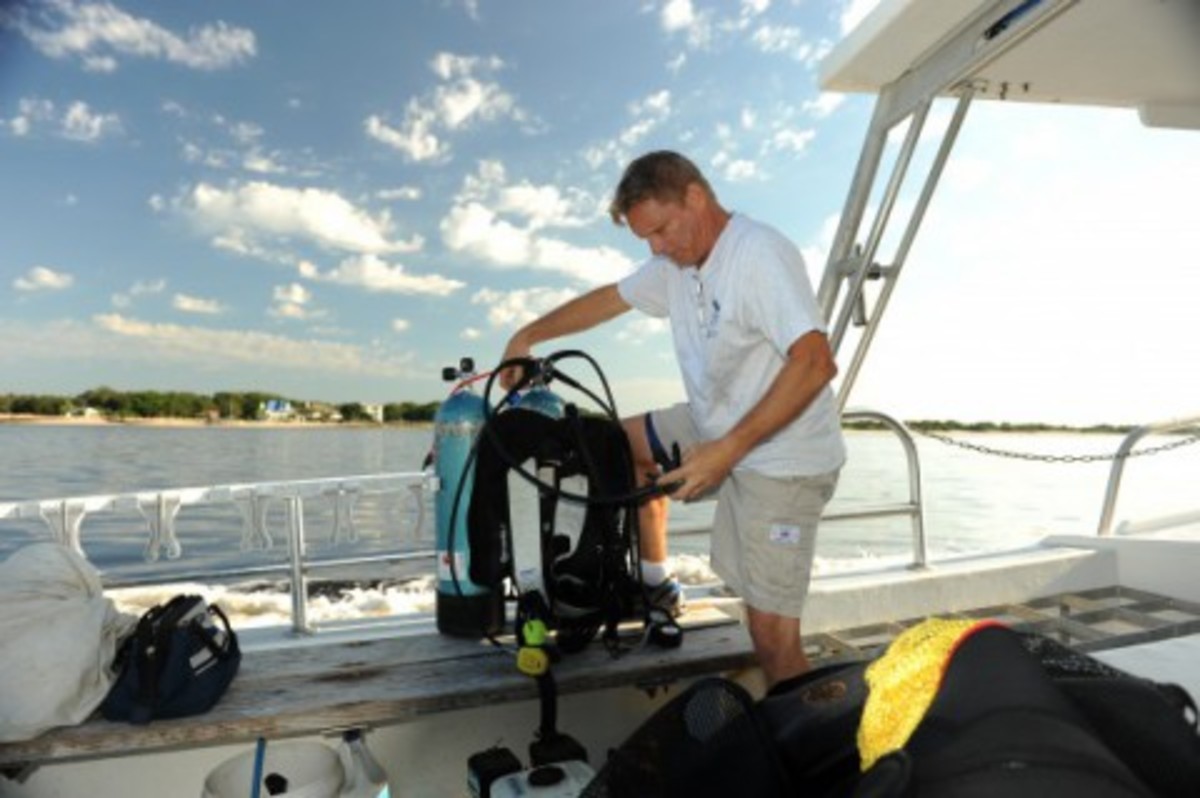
973, 502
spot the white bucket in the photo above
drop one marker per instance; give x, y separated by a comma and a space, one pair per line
312, 770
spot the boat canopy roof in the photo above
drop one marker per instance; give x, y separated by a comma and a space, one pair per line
1140, 55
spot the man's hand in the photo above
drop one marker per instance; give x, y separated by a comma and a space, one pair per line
705, 466
517, 348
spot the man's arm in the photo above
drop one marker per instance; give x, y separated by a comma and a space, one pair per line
579, 314
809, 368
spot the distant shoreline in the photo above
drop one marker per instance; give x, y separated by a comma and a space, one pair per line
980, 428
175, 423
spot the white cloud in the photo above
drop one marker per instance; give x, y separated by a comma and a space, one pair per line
477, 230
139, 288
649, 112
789, 41
249, 211
788, 140
470, 334
203, 346
677, 15
680, 16
262, 164
472, 9
195, 304
41, 278
293, 301
825, 104
293, 292
77, 123
416, 138
407, 193
238, 144
504, 226
80, 124
510, 309
735, 170
99, 33
30, 111
401, 325
378, 276
466, 96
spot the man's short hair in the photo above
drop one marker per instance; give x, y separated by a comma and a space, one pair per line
662, 175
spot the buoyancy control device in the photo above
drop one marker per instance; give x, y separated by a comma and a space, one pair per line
537, 504
553, 511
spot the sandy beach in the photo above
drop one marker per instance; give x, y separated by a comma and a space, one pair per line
81, 421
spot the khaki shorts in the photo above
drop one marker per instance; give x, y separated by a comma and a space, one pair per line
764, 528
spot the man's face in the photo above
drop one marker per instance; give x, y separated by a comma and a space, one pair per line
671, 229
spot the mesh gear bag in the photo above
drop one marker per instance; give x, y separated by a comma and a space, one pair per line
708, 741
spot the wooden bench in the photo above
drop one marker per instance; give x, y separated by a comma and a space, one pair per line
327, 687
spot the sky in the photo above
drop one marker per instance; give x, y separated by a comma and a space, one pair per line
332, 201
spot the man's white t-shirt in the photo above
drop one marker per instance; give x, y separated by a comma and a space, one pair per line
733, 321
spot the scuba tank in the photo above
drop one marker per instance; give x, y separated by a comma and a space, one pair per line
541, 399
463, 608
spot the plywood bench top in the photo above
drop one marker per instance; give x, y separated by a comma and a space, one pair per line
328, 687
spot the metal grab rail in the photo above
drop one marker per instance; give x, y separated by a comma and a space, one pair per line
1118, 470
914, 508
65, 516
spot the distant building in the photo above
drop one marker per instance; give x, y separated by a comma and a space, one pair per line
375, 412
277, 410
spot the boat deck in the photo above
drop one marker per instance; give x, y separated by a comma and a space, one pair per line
1086, 620
324, 688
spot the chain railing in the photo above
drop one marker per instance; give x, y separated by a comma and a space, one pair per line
1124, 452
1120, 454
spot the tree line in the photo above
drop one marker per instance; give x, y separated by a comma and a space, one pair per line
250, 405
224, 405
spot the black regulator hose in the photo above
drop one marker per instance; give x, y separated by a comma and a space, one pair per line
531, 369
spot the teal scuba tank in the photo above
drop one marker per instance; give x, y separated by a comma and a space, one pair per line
541, 399
463, 608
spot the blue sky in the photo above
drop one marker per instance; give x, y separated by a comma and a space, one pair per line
333, 200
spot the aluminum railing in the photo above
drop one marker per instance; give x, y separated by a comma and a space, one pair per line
1118, 470
914, 508
64, 517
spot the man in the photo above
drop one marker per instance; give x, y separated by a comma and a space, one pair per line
760, 427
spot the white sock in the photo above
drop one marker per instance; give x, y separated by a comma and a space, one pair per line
653, 573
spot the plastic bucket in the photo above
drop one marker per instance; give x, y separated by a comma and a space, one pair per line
312, 770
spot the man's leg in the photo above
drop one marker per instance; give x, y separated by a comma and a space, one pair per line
777, 644
764, 540
652, 513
